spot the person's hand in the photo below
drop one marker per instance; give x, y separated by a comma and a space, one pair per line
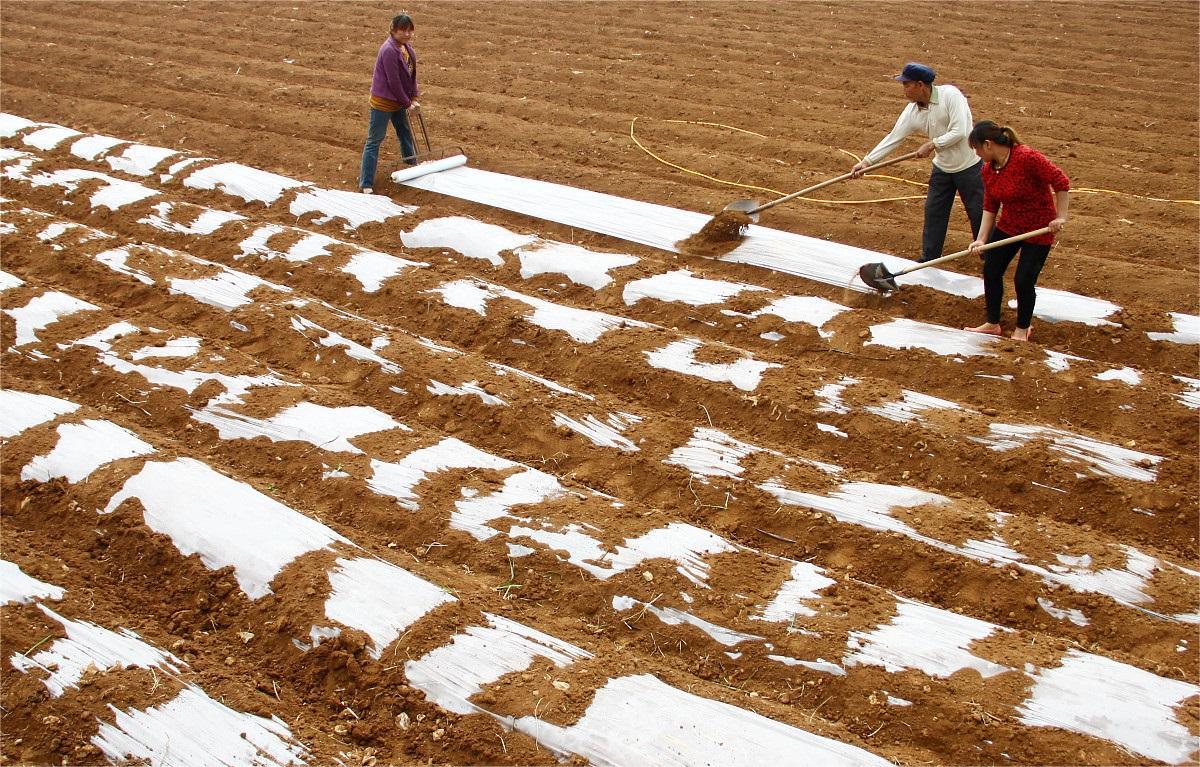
926, 149
859, 169
413, 105
974, 247
1056, 225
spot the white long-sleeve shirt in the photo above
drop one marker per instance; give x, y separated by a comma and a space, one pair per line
946, 120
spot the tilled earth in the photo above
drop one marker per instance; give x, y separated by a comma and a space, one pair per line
1098, 553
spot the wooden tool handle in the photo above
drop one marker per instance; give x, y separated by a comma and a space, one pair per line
980, 249
827, 182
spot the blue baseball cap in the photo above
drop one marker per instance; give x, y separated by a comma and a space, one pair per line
915, 71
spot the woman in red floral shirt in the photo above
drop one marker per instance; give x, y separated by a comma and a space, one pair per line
1029, 192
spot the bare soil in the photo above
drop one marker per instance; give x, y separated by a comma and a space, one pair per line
551, 90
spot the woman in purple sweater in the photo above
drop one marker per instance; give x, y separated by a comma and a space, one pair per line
393, 95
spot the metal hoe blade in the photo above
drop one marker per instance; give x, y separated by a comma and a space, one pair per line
877, 276
745, 206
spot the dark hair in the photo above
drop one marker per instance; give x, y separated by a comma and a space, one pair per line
402, 21
986, 130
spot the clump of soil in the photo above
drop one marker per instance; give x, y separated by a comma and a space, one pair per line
719, 236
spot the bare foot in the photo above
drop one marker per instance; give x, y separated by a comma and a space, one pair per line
990, 328
1022, 334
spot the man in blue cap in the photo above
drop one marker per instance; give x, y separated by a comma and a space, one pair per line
940, 112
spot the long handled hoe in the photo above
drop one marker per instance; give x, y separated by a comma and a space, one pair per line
877, 276
730, 224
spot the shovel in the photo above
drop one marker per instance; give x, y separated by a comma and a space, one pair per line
877, 275
752, 207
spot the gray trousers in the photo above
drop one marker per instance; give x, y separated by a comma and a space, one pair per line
968, 184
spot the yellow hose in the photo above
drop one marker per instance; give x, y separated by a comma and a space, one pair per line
1077, 190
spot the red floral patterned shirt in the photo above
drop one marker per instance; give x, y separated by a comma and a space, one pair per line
1021, 191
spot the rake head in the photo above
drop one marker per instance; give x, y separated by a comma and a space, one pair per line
877, 276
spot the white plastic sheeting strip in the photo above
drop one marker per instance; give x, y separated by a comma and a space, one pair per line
310, 245
680, 357
193, 730
190, 380
372, 268
380, 599
636, 720
226, 290
1190, 397
1075, 616
329, 428
113, 194
10, 281
93, 147
176, 167
18, 588
237, 180
42, 311
553, 386
680, 542
662, 227
471, 515
451, 674
681, 286
602, 433
355, 208
187, 346
1126, 585
712, 453
862, 503
471, 238
926, 638
910, 405
139, 159
804, 583
117, 259
82, 448
673, 617
467, 388
909, 334
11, 125
353, 349
400, 479
820, 664
583, 325
811, 310
1120, 703
581, 266
226, 522
20, 410
1058, 362
430, 166
50, 137
88, 645
1101, 458
1126, 375
831, 396
1187, 330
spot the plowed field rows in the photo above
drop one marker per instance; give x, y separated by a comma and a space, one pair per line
297, 475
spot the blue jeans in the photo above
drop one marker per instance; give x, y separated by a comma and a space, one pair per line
376, 132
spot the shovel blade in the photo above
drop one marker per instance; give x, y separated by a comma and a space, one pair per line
878, 277
745, 206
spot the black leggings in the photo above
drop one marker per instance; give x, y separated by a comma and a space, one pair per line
995, 264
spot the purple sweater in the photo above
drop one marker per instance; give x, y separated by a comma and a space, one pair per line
393, 80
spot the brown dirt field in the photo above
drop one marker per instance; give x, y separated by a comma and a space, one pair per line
551, 90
